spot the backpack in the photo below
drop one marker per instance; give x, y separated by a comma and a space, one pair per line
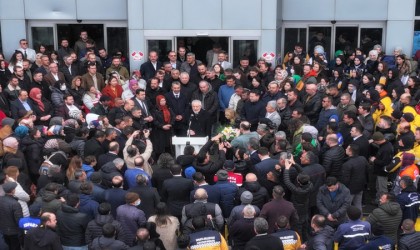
53, 159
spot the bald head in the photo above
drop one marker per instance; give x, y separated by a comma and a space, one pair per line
200, 194
251, 177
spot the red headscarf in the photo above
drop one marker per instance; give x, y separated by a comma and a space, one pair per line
33, 93
164, 108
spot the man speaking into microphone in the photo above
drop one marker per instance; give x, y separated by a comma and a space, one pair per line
199, 123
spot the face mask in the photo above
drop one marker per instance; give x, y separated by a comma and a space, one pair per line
137, 203
63, 87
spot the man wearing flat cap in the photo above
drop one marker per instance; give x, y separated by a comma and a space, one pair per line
10, 214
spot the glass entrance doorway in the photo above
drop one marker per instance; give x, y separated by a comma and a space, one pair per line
110, 35
200, 45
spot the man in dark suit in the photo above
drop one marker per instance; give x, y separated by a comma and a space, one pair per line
24, 79
356, 132
144, 104
38, 82
69, 69
149, 195
199, 123
178, 102
93, 146
111, 155
263, 240
54, 75
312, 101
176, 191
21, 106
148, 69
172, 60
266, 165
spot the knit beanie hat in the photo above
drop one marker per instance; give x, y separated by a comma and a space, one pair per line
246, 197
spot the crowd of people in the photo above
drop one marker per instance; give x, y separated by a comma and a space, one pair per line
295, 152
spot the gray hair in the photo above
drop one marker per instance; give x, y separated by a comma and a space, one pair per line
272, 104
176, 83
191, 54
282, 99
249, 211
208, 84
118, 162
184, 74
254, 143
260, 225
196, 102
283, 155
281, 134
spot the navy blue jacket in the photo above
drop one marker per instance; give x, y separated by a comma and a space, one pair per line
88, 206
227, 196
409, 201
378, 242
253, 111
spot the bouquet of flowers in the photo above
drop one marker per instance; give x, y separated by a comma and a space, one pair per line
228, 133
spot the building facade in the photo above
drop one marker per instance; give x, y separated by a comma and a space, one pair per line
242, 27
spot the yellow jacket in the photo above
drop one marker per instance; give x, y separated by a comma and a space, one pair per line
386, 101
416, 123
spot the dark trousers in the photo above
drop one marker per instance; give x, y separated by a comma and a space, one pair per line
12, 241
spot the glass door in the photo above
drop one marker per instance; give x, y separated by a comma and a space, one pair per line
161, 45
244, 47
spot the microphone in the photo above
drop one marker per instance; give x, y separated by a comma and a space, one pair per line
189, 125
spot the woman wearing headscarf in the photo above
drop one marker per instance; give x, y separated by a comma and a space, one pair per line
162, 127
42, 107
131, 91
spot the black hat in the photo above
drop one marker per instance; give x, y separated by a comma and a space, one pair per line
408, 117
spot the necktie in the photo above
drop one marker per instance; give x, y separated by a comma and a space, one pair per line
144, 107
24, 54
176, 96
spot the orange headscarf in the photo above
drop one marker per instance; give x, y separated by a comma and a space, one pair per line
33, 93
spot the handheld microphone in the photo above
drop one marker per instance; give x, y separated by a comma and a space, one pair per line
189, 125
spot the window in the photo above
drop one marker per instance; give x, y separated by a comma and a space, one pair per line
117, 39
162, 47
1, 46
200, 45
43, 36
292, 36
417, 8
369, 37
320, 36
346, 38
72, 33
248, 48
